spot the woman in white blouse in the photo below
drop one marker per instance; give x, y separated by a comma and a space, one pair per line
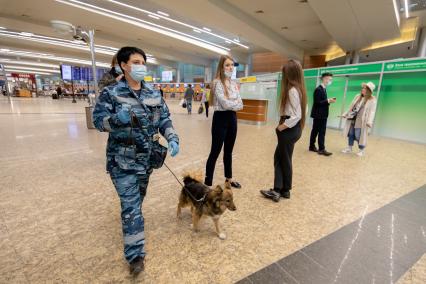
226, 100
289, 130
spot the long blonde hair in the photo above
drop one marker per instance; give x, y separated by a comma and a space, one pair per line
292, 76
220, 75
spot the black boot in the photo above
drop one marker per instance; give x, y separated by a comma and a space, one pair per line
285, 194
271, 194
137, 265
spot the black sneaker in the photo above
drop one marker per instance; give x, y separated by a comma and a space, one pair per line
137, 265
313, 149
285, 194
324, 153
271, 194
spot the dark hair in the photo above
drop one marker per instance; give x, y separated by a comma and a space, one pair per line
189, 85
292, 77
125, 52
326, 74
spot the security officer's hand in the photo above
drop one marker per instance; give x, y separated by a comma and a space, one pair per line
124, 115
173, 148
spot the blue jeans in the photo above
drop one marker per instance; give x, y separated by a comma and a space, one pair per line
189, 106
354, 134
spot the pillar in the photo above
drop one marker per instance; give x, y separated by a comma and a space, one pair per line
348, 58
421, 52
355, 58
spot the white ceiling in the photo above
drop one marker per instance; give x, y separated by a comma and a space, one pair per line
289, 27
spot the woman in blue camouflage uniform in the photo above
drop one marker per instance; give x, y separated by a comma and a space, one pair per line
133, 113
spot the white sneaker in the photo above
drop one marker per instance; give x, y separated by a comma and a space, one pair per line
347, 150
360, 153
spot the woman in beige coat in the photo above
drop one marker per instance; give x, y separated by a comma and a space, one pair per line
360, 118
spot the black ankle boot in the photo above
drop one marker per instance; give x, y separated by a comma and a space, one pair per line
285, 194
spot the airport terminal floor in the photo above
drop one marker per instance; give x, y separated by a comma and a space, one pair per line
350, 219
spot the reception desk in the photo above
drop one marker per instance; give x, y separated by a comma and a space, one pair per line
254, 111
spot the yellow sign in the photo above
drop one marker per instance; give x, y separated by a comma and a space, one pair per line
251, 79
148, 78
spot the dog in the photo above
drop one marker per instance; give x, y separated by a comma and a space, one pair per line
205, 201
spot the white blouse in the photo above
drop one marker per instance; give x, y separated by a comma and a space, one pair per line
293, 109
233, 102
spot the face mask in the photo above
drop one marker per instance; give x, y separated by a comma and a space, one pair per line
329, 83
228, 74
118, 69
138, 72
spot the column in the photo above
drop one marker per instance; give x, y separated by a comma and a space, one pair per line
207, 74
348, 58
421, 52
355, 59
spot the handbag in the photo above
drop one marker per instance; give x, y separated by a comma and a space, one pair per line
200, 109
184, 105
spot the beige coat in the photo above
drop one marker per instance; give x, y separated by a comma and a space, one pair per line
367, 118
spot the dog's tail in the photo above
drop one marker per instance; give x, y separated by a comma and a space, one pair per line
192, 176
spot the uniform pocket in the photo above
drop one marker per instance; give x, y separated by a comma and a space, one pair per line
126, 157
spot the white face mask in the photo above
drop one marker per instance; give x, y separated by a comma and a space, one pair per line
329, 83
228, 74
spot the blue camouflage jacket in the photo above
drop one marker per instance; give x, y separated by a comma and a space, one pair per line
129, 145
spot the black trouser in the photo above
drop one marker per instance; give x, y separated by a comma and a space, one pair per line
318, 129
283, 164
224, 132
206, 106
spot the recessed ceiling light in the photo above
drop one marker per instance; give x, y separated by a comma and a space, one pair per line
154, 17
207, 29
162, 13
259, 12
26, 34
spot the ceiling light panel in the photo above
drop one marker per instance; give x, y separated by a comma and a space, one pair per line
27, 71
204, 30
36, 55
28, 63
147, 25
15, 67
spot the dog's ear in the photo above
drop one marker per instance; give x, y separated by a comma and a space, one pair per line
219, 189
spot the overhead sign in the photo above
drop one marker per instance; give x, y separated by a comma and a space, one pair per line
148, 78
167, 76
353, 69
250, 79
310, 72
405, 65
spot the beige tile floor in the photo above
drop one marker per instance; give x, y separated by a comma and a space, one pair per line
60, 218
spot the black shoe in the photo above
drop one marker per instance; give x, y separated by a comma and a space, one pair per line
137, 265
324, 153
235, 184
271, 194
313, 149
285, 194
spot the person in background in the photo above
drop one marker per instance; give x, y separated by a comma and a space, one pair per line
133, 114
360, 118
320, 114
114, 75
226, 99
189, 95
161, 91
205, 99
293, 109
59, 91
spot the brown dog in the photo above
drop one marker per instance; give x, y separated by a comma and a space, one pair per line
205, 201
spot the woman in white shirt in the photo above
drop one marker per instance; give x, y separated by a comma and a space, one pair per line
226, 100
289, 130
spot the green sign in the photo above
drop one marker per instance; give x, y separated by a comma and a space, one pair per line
310, 72
405, 65
353, 69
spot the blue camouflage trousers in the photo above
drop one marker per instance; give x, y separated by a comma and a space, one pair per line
131, 188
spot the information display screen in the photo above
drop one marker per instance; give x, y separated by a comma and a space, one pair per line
167, 76
66, 72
